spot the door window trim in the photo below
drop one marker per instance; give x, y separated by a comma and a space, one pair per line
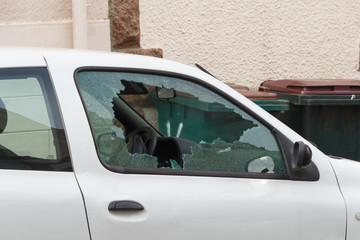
55, 117
151, 171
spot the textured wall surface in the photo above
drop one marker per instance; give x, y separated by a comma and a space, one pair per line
250, 41
41, 10
48, 23
47, 10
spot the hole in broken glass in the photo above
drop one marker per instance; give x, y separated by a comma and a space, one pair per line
233, 157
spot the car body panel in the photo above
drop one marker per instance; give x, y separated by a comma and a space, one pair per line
178, 207
298, 206
10, 59
41, 205
347, 172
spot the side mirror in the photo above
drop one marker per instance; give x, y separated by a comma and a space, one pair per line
301, 155
165, 93
299, 159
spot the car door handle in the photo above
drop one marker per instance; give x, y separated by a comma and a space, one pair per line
125, 206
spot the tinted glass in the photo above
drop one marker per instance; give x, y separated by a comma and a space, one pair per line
32, 135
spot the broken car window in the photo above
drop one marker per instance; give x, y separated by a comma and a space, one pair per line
183, 127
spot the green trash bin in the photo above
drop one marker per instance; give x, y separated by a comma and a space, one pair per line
198, 121
189, 118
265, 99
326, 112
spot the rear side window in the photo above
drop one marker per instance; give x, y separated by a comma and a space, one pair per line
31, 132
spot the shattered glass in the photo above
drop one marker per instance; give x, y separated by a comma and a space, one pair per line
229, 157
227, 138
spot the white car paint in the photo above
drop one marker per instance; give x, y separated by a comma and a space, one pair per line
176, 207
41, 205
347, 173
37, 204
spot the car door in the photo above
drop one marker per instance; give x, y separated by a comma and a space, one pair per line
230, 178
39, 195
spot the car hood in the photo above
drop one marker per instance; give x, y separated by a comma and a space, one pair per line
348, 176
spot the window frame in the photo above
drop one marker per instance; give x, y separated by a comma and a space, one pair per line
55, 118
182, 172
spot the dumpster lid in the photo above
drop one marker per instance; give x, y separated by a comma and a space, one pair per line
256, 95
239, 88
253, 95
313, 86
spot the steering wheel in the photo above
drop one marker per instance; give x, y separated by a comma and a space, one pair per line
142, 140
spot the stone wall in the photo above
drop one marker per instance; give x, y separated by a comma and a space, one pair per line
125, 28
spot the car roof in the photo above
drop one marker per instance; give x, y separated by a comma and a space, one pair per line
75, 59
80, 58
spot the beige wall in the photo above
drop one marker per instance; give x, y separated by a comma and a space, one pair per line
250, 41
34, 11
48, 10
48, 23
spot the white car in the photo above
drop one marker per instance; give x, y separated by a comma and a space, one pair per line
113, 146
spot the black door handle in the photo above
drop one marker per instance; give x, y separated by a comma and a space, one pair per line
125, 206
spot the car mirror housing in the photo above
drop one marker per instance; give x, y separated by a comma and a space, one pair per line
301, 155
298, 157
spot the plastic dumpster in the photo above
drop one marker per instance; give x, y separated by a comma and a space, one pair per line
326, 112
265, 99
197, 121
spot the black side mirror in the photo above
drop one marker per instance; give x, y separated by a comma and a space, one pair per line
299, 159
301, 155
